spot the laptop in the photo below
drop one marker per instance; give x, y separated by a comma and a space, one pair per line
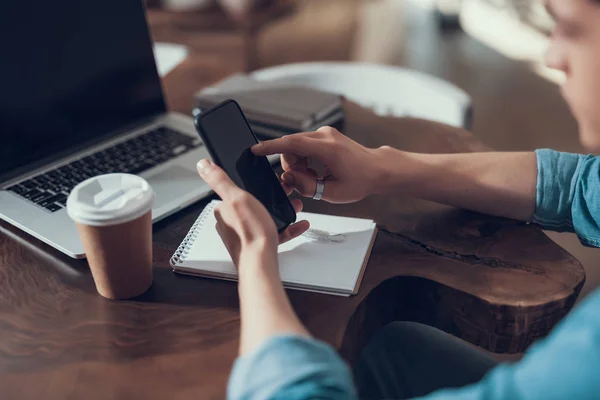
80, 96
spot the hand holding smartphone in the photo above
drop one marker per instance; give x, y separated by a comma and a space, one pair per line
229, 139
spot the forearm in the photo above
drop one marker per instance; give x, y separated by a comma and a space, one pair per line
264, 305
501, 184
278, 358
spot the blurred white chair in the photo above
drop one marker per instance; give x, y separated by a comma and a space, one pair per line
385, 89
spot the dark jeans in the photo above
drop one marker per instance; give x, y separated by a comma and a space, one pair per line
407, 359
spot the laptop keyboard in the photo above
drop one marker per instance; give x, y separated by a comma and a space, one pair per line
50, 189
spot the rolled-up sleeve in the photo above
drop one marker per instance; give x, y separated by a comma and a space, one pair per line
291, 367
568, 194
562, 366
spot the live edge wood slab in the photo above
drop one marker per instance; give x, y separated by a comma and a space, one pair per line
497, 283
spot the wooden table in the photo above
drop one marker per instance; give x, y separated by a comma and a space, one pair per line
497, 283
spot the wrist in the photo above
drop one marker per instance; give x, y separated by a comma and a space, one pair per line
259, 258
258, 273
399, 171
384, 156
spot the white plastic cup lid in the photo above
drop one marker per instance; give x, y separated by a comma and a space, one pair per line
110, 200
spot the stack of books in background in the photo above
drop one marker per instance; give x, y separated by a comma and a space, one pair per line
274, 109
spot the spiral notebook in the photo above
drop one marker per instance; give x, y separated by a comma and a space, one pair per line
330, 258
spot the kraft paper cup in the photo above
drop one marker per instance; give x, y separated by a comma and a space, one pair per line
113, 214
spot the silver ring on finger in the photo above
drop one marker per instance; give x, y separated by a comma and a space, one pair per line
319, 189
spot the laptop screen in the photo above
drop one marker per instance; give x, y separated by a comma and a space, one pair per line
71, 71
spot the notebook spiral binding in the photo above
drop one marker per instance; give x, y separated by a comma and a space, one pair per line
184, 248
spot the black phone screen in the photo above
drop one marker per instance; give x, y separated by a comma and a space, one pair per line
228, 137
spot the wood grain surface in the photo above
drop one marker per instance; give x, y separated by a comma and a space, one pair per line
497, 283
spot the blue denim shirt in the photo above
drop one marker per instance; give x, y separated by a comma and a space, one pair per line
565, 365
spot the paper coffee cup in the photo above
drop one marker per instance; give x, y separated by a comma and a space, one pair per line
113, 214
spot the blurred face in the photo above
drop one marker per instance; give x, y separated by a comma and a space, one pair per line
575, 50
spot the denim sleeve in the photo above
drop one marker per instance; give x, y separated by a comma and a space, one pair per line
568, 194
565, 365
292, 368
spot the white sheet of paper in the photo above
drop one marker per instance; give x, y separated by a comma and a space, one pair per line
168, 56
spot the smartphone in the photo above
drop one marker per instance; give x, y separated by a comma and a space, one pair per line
228, 138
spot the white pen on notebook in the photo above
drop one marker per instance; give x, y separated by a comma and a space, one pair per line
321, 236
